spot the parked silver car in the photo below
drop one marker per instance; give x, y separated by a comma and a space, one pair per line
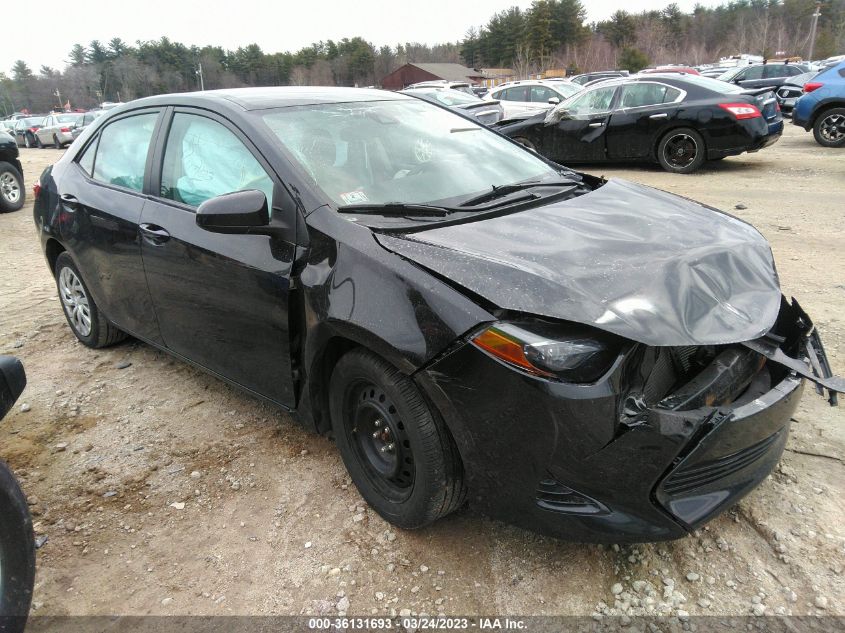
57, 129
484, 111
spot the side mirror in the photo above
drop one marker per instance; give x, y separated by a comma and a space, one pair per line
236, 212
554, 100
12, 382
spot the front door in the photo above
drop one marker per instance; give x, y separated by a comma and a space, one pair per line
100, 204
221, 300
579, 136
643, 110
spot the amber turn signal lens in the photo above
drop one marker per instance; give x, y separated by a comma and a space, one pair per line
506, 349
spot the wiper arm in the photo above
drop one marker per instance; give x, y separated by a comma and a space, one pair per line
395, 208
504, 190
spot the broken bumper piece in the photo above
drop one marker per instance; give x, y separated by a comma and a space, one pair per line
666, 440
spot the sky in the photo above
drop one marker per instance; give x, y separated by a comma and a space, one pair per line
273, 24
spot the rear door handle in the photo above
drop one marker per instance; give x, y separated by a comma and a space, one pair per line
596, 123
154, 234
662, 115
69, 201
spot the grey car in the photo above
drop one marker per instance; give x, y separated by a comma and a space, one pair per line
770, 75
487, 112
57, 129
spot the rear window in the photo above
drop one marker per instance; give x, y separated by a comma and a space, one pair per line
715, 85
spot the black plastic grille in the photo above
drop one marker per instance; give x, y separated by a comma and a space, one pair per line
687, 478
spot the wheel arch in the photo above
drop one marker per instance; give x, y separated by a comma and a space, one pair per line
824, 106
52, 249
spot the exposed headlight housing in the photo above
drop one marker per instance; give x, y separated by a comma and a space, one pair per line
577, 354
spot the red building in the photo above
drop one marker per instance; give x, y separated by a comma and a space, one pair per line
414, 73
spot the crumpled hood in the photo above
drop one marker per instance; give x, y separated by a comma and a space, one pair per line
641, 263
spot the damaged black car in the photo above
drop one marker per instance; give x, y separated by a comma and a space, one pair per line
596, 360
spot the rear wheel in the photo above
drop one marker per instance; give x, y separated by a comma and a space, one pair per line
829, 129
38, 142
57, 142
85, 320
17, 554
12, 192
26, 140
681, 151
396, 448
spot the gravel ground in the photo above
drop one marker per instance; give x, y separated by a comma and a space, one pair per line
157, 489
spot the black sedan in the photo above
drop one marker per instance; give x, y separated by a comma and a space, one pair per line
25, 130
597, 360
679, 121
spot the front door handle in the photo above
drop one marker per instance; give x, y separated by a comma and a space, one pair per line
69, 201
154, 234
596, 123
662, 115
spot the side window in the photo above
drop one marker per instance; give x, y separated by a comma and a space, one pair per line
86, 161
592, 101
755, 72
121, 156
203, 159
775, 70
541, 94
644, 94
517, 93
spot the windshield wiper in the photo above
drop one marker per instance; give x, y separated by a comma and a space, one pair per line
499, 191
395, 208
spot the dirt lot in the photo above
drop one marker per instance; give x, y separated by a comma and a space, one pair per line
109, 453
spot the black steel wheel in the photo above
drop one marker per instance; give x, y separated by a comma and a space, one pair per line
17, 554
681, 151
396, 448
829, 129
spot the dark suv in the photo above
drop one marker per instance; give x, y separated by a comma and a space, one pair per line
12, 192
770, 75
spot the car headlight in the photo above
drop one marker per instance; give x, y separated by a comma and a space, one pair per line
575, 354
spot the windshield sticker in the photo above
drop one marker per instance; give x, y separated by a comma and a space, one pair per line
354, 197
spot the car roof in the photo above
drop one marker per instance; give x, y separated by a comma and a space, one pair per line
270, 97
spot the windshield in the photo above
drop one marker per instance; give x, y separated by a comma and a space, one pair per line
407, 152
567, 89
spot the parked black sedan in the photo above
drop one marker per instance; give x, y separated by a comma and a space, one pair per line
597, 360
679, 121
25, 130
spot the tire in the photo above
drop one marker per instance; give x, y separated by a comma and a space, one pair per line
829, 128
38, 142
17, 554
84, 318
26, 141
526, 143
12, 191
681, 151
373, 408
57, 142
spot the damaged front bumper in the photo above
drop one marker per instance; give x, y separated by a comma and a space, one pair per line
647, 453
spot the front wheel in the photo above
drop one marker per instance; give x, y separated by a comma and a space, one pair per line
396, 448
829, 129
681, 151
26, 140
17, 554
12, 192
85, 320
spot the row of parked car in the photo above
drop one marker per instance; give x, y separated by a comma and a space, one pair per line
58, 129
671, 115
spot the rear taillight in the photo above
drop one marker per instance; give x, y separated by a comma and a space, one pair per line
742, 110
33, 129
65, 130
812, 85
36, 189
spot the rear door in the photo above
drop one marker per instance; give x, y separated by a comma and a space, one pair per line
579, 137
515, 101
222, 300
644, 109
100, 202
